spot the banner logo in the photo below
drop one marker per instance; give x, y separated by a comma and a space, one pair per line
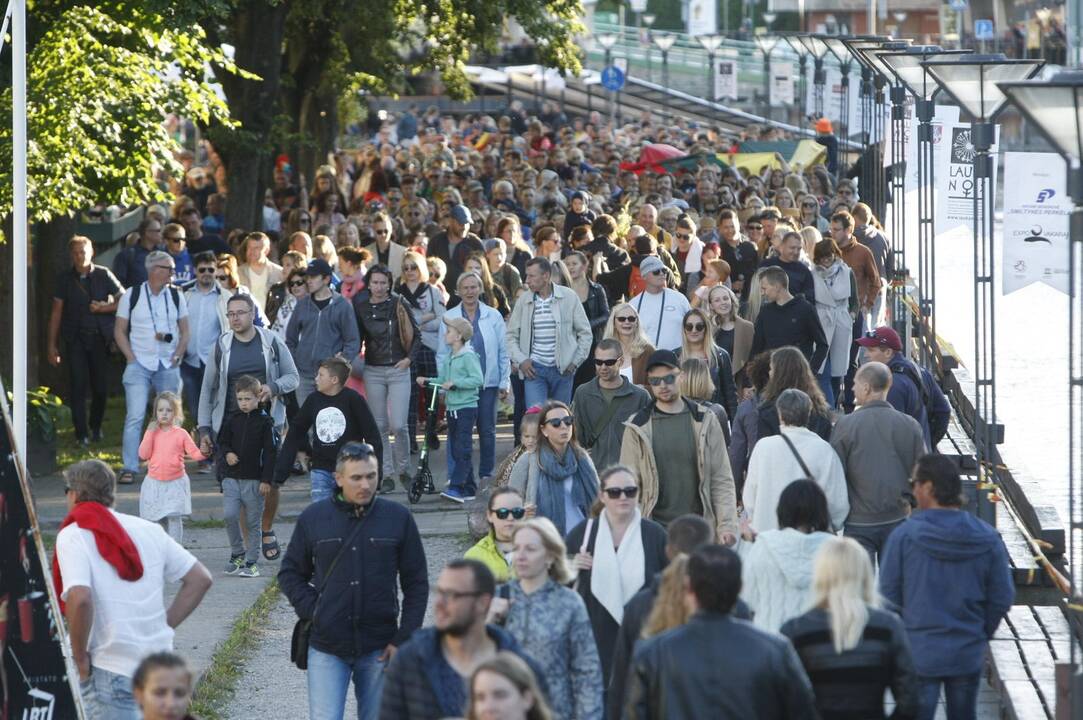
1046, 194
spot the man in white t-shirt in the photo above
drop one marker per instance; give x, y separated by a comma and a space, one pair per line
151, 332
661, 309
114, 623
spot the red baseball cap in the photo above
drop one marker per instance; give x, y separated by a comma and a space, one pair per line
881, 337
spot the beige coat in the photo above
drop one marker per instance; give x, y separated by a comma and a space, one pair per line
717, 492
574, 335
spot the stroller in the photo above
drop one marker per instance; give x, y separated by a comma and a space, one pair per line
423, 483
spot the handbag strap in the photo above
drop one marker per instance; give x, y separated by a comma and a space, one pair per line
789, 443
603, 421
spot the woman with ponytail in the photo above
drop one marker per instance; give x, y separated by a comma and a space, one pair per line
851, 648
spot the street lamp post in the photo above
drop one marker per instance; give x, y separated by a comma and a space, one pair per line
802, 63
971, 80
607, 41
766, 44
711, 43
907, 68
818, 49
648, 22
842, 53
1055, 107
665, 41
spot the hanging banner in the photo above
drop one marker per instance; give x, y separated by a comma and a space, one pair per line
725, 79
945, 115
955, 178
702, 17
35, 683
781, 83
1035, 229
833, 98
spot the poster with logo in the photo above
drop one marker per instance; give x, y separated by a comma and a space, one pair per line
702, 17
781, 83
955, 179
725, 79
1035, 229
34, 680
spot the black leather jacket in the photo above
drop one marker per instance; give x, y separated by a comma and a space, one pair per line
378, 326
718, 662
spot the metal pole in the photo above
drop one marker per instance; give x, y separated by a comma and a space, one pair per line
612, 104
665, 81
802, 62
898, 212
924, 112
844, 104
819, 78
767, 84
18, 222
713, 90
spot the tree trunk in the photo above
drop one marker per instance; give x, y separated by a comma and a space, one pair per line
49, 255
257, 31
317, 124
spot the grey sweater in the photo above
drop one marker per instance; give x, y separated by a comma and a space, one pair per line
589, 408
878, 446
314, 335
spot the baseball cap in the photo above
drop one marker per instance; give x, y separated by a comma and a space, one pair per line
461, 215
461, 326
663, 357
319, 266
650, 264
881, 337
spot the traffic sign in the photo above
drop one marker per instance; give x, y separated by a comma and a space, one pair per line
958, 5
612, 78
983, 30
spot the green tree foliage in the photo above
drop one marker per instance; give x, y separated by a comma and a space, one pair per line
100, 81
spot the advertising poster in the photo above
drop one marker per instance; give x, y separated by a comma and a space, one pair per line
1035, 230
955, 179
725, 80
782, 78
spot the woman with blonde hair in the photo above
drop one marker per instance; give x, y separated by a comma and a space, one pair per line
810, 236
810, 213
697, 384
732, 332
550, 621
697, 341
322, 247
670, 609
504, 688
852, 649
624, 327
755, 299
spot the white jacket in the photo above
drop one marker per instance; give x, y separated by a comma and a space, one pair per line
772, 467
776, 575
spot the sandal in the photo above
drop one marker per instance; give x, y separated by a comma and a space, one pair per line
126, 478
270, 549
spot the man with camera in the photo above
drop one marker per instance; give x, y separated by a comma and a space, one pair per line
151, 331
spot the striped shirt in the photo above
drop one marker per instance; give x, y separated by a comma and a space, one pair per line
543, 338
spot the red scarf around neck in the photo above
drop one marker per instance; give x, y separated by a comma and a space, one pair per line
114, 543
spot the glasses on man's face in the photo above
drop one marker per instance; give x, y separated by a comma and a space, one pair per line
754, 228
504, 513
555, 423
170, 268
662, 380
695, 327
379, 232
234, 314
297, 283
626, 319
614, 493
205, 271
452, 595
606, 363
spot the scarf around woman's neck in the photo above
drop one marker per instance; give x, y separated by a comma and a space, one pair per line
550, 490
617, 574
837, 280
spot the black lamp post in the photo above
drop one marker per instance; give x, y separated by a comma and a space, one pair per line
842, 53
711, 43
818, 49
665, 41
648, 22
906, 66
766, 44
1055, 107
802, 62
971, 80
607, 41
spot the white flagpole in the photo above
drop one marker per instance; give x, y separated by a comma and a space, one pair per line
18, 220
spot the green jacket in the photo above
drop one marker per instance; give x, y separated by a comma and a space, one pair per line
463, 369
487, 552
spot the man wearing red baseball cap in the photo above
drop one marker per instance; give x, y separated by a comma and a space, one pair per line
913, 391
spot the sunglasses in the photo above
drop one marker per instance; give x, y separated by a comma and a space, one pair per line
606, 363
380, 232
614, 493
356, 451
554, 423
754, 227
663, 380
173, 239
408, 268
205, 271
683, 237
695, 327
170, 268
503, 513
297, 283
657, 272
627, 319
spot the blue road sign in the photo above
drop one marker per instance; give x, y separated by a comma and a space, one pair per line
983, 30
612, 78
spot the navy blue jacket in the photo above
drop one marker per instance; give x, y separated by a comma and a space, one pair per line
358, 611
947, 573
412, 684
916, 393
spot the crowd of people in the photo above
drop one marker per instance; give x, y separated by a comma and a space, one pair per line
720, 441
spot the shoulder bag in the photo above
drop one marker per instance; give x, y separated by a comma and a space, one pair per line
302, 629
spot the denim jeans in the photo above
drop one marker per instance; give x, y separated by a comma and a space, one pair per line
329, 679
108, 696
192, 383
323, 484
871, 537
548, 384
388, 391
960, 696
138, 382
486, 424
460, 437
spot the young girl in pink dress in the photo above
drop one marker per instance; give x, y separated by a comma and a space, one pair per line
166, 494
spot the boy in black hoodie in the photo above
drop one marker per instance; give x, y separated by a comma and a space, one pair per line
246, 457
